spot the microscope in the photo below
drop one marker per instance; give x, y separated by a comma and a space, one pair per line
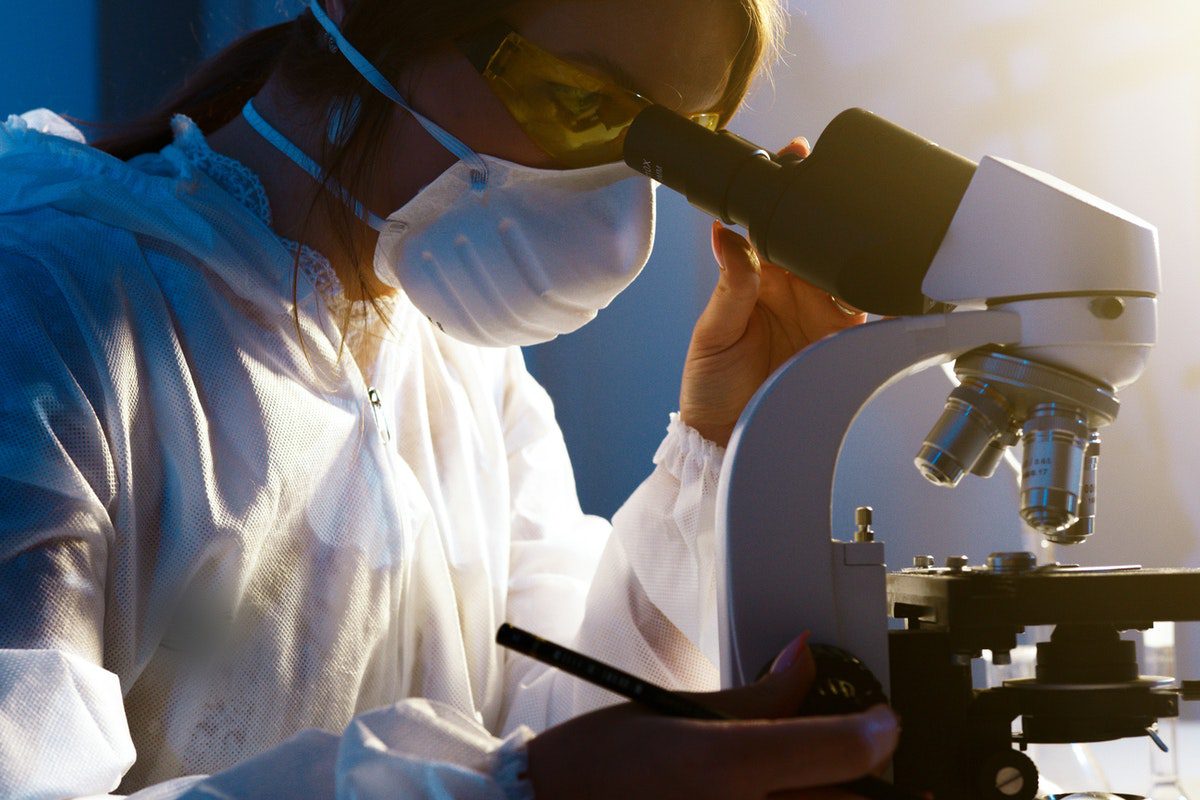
1043, 297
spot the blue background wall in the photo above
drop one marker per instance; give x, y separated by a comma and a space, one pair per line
51, 56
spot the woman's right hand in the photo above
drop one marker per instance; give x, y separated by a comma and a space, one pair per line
627, 751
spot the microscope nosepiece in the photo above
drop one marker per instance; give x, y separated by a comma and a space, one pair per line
1055, 413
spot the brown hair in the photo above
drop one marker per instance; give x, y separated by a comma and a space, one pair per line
392, 34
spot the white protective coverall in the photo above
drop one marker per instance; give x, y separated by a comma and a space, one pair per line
214, 548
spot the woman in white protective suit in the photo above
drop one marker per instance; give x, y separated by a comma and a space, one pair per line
272, 471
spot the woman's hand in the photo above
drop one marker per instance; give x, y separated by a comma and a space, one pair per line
629, 752
759, 316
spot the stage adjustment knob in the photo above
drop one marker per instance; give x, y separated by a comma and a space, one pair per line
1007, 775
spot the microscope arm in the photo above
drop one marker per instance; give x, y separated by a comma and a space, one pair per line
777, 581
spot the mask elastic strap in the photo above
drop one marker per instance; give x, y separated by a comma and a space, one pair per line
302, 160
374, 77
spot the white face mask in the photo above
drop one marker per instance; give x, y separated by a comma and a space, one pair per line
536, 254
497, 253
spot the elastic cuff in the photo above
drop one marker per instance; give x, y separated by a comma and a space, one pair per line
684, 443
511, 767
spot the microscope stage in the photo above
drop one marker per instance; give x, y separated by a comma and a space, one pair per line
1123, 597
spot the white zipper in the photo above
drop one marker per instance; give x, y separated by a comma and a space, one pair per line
377, 411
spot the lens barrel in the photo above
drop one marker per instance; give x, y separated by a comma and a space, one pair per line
1056, 437
975, 417
989, 460
1085, 526
861, 217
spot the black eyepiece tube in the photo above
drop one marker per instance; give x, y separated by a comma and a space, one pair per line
862, 217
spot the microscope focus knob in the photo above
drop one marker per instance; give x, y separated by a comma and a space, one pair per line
1007, 775
843, 684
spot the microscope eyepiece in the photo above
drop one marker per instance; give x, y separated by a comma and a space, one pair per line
862, 217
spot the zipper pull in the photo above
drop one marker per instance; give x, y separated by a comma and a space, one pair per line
377, 411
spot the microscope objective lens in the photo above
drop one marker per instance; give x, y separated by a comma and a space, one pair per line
1056, 437
974, 423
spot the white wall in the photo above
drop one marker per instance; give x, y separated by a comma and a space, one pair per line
1101, 93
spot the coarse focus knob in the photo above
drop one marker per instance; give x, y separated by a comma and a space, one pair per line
843, 684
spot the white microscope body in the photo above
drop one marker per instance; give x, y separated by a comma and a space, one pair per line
1058, 287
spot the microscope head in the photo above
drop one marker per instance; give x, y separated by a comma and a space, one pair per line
1083, 275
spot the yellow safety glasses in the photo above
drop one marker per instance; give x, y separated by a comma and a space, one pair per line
578, 118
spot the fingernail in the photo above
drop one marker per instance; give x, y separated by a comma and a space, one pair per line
755, 261
849, 311
788, 657
716, 244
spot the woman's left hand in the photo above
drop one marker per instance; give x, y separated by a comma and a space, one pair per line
758, 317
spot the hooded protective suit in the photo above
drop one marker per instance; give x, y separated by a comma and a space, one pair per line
214, 536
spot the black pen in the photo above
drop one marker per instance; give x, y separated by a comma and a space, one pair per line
655, 697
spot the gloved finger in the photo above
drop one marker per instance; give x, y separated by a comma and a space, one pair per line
724, 319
